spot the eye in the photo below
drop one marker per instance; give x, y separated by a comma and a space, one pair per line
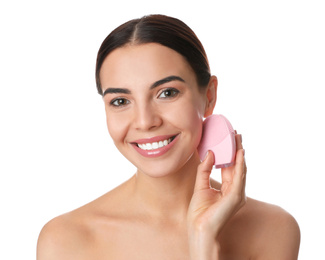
118, 102
169, 93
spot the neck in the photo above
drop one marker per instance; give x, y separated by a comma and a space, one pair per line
167, 197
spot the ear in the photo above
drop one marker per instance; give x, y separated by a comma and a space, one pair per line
211, 96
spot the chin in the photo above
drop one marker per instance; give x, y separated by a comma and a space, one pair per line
164, 168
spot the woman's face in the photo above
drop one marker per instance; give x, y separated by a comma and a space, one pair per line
154, 108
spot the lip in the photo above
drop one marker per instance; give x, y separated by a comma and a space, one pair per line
156, 152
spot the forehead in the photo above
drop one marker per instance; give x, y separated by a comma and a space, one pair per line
143, 64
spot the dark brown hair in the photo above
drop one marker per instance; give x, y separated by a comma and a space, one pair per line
165, 30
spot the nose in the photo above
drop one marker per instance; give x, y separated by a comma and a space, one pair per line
146, 117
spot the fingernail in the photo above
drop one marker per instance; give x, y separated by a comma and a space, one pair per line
206, 155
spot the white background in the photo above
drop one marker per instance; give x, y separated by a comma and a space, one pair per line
56, 154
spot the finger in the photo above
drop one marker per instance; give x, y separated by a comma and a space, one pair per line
228, 173
240, 164
239, 179
239, 141
203, 172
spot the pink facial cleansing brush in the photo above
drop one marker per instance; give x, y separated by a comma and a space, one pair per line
219, 137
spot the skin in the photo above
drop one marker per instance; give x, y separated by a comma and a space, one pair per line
171, 208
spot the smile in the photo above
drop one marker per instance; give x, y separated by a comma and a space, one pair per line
156, 146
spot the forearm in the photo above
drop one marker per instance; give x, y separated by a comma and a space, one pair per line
203, 247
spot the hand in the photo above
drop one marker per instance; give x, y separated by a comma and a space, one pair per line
209, 208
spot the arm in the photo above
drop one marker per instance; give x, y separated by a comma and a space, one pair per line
47, 244
203, 247
210, 209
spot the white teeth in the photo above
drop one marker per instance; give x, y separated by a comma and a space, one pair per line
155, 145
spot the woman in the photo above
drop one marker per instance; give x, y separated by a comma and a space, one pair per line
155, 80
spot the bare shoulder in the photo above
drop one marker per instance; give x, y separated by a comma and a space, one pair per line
76, 234
62, 238
274, 232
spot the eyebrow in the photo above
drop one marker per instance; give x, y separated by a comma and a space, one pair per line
117, 90
154, 85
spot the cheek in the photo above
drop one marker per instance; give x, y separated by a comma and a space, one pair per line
188, 117
194, 123
191, 111
117, 127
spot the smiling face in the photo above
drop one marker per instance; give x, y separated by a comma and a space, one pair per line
154, 107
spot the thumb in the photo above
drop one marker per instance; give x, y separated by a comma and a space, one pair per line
203, 172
